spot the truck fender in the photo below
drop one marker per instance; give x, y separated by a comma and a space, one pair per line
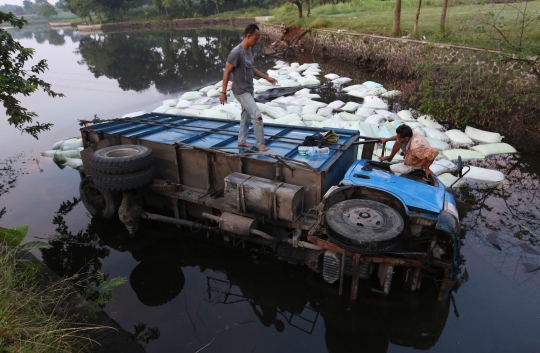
342, 193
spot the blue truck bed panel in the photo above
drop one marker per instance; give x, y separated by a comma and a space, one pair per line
222, 134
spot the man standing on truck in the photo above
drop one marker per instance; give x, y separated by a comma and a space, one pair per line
416, 149
240, 63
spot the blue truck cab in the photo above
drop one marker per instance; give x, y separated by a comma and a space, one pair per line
422, 198
396, 219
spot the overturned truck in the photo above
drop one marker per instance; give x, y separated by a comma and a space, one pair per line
339, 216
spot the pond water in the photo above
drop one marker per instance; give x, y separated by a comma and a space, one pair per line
185, 293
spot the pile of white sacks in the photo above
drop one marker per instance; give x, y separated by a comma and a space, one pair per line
371, 118
66, 153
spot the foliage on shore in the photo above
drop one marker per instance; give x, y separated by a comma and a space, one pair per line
466, 93
16, 80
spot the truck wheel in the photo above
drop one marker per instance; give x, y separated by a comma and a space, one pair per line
364, 226
99, 202
121, 159
128, 181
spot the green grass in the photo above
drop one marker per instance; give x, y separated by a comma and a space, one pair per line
38, 317
62, 16
245, 12
376, 17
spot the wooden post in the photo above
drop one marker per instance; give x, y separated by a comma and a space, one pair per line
415, 30
397, 18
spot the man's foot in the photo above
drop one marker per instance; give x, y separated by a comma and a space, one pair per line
245, 144
263, 148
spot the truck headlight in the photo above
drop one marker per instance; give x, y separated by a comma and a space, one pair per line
448, 220
450, 207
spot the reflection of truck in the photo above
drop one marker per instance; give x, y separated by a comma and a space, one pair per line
337, 215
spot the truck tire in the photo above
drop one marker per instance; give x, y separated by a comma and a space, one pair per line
364, 226
128, 181
99, 202
121, 159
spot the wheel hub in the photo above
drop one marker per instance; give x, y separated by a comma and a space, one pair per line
121, 152
364, 217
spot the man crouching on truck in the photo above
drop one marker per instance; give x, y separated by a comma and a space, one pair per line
416, 149
240, 63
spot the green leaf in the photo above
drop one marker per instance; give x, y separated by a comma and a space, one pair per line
13, 236
36, 245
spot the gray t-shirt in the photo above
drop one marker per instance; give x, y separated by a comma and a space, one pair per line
243, 70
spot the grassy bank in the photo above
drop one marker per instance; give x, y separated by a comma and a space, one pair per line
41, 315
464, 21
35, 318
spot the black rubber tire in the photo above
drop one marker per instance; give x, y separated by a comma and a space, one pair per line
129, 181
121, 159
364, 226
99, 202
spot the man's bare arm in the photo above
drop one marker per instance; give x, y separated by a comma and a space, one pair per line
228, 68
266, 77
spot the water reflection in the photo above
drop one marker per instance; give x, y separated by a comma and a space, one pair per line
170, 60
505, 217
281, 297
10, 170
75, 254
45, 35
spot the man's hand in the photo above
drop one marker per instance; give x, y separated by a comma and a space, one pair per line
428, 172
272, 80
385, 159
383, 140
223, 98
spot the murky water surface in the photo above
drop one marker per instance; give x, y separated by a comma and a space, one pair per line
186, 293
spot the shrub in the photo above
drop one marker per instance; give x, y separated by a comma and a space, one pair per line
469, 93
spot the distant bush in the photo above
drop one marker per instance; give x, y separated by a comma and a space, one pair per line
142, 12
15, 9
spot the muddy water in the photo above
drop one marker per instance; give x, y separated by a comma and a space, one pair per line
186, 293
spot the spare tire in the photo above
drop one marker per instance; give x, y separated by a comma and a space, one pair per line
99, 202
121, 159
128, 181
364, 226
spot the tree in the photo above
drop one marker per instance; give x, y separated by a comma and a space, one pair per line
15, 9
217, 2
81, 8
14, 79
415, 30
158, 4
46, 10
397, 19
28, 6
299, 5
60, 4
443, 15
